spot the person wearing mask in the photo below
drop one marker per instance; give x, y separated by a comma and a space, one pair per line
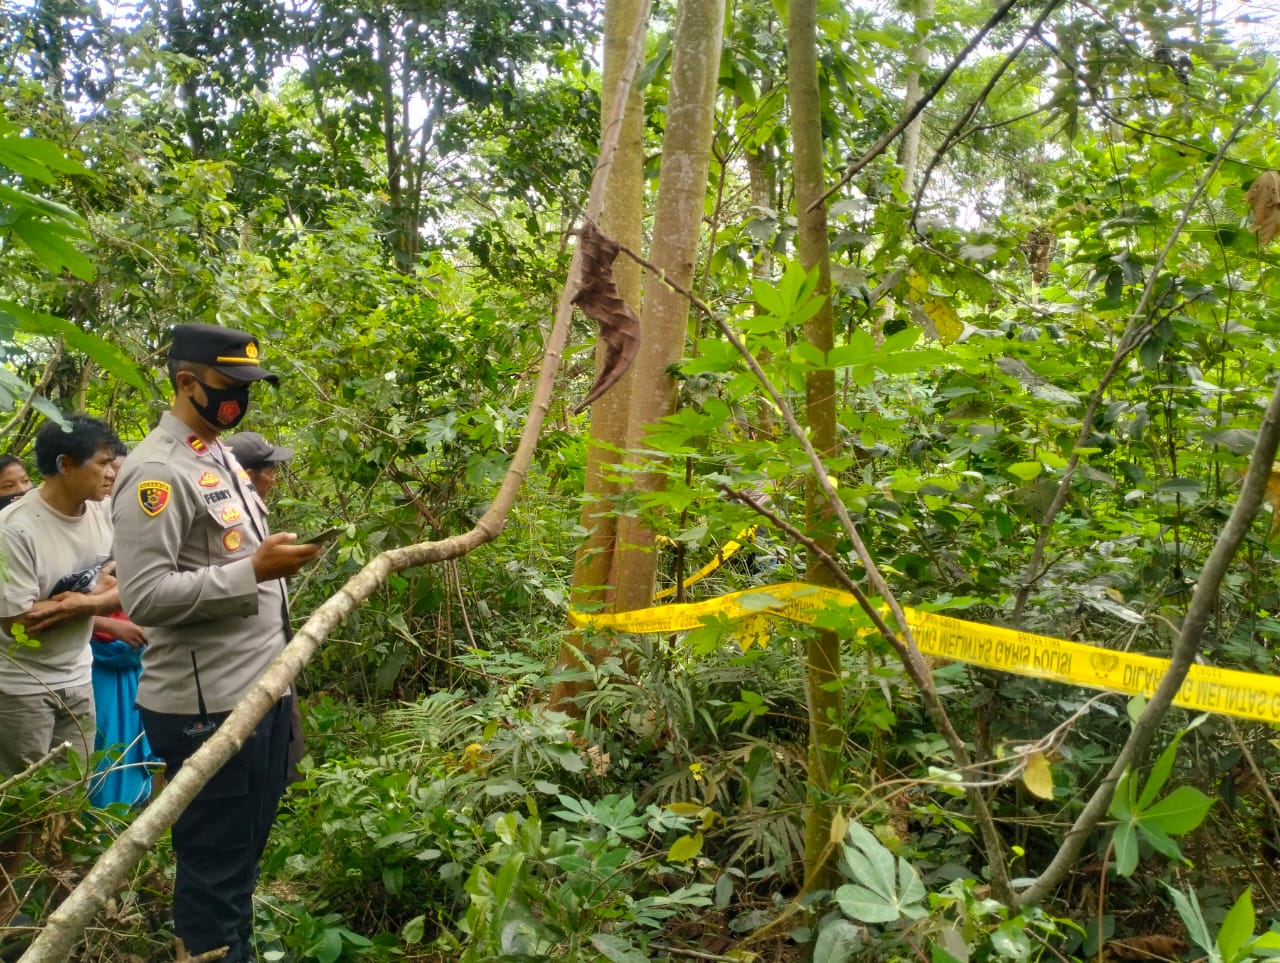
262, 460
14, 482
200, 570
56, 546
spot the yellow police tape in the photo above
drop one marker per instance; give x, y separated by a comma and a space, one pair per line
1248, 695
730, 548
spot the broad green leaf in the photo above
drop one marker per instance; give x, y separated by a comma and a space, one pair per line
863, 905
54, 251
871, 861
22, 154
107, 356
615, 949
837, 941
1237, 928
1026, 470
685, 848
328, 948
1179, 812
412, 931
24, 202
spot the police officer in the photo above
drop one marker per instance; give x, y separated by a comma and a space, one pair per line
199, 570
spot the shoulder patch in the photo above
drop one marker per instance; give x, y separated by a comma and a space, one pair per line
196, 444
244, 476
232, 540
153, 496
209, 480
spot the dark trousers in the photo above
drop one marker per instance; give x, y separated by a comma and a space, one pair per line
220, 838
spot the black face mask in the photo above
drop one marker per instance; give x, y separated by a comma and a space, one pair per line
224, 408
6, 499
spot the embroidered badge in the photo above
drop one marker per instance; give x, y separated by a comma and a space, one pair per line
197, 445
231, 514
232, 540
228, 412
153, 496
251, 351
209, 480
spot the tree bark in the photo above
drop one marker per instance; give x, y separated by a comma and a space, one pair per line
822, 657
625, 26
682, 191
909, 146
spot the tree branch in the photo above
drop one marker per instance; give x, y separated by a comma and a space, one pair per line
878, 148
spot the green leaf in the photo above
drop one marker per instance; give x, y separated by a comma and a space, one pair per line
1160, 772
1237, 928
412, 931
1125, 842
48, 243
861, 904
110, 358
328, 948
1026, 470
685, 848
617, 950
1193, 920
837, 941
1179, 812
871, 862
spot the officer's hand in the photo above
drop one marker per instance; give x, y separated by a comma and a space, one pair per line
277, 557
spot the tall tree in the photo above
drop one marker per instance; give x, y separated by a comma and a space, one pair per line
622, 219
826, 736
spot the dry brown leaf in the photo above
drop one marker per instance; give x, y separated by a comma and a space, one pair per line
1264, 198
601, 302
1154, 947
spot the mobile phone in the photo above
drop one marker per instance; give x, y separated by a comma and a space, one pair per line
328, 535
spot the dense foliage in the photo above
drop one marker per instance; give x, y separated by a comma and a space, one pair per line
1071, 289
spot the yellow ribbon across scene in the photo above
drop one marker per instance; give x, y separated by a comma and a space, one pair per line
1248, 695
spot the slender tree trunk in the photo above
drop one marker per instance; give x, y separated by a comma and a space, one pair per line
826, 737
622, 219
682, 191
909, 148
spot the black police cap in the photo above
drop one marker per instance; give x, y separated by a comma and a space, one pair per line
232, 352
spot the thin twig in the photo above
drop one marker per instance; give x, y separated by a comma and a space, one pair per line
957, 130
31, 769
692, 954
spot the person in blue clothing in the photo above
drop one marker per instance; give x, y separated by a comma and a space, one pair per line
117, 643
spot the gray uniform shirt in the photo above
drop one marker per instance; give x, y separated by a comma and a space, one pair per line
186, 523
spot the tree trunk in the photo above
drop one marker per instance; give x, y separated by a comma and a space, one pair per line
622, 219
826, 738
682, 190
909, 148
